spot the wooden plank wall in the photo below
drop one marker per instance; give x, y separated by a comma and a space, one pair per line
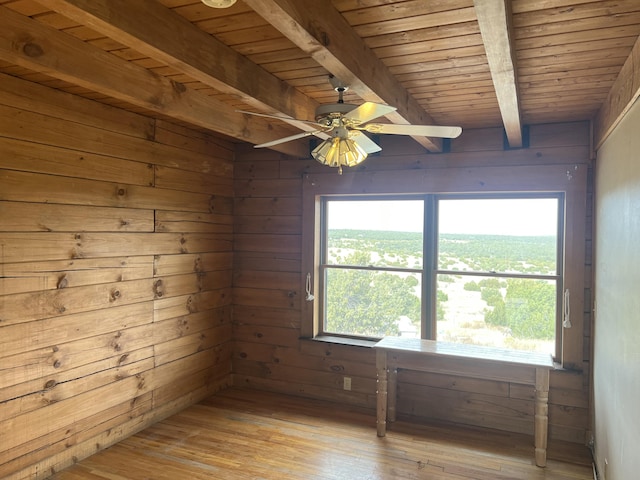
268, 353
115, 274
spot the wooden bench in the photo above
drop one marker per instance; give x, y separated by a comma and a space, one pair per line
393, 353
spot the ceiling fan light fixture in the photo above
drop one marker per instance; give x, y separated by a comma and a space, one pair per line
339, 152
219, 3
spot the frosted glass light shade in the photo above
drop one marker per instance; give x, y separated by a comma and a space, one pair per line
339, 152
219, 3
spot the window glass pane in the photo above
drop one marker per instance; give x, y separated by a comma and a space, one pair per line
513, 313
508, 235
380, 233
372, 303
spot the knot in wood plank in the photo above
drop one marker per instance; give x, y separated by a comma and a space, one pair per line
115, 295
158, 288
32, 50
62, 282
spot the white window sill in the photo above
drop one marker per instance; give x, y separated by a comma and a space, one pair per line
354, 342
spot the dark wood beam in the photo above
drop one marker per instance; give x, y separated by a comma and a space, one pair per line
322, 32
40, 48
494, 18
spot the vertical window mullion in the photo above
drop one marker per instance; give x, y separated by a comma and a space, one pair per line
322, 277
429, 256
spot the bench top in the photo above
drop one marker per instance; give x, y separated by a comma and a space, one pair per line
461, 350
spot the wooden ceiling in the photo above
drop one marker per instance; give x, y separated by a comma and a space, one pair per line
473, 63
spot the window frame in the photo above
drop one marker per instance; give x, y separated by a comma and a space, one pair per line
430, 269
558, 277
323, 266
569, 179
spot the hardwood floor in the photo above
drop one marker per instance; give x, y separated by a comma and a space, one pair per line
248, 434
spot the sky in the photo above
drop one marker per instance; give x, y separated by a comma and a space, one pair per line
488, 216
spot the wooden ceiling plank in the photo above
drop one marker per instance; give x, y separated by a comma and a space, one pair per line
470, 97
581, 10
441, 67
579, 37
437, 33
35, 46
290, 65
539, 68
562, 88
623, 44
193, 52
277, 56
564, 62
454, 86
414, 79
55, 20
263, 47
231, 23
559, 98
417, 22
243, 36
494, 20
587, 74
576, 25
401, 10
523, 6
435, 56
290, 75
321, 31
403, 49
624, 92
28, 8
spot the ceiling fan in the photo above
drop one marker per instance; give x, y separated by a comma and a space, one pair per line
345, 123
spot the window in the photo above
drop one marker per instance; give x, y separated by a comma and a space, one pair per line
372, 266
482, 269
498, 274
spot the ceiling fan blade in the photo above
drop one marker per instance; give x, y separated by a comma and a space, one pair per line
288, 139
365, 142
285, 119
368, 111
418, 130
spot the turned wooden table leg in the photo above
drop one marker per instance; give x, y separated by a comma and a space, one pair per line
381, 405
541, 415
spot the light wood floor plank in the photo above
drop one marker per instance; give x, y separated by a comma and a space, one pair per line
254, 435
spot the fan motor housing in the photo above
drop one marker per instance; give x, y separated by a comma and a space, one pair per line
326, 111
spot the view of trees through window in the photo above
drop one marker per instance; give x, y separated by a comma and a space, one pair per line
495, 270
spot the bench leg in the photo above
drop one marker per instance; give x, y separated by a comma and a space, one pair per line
381, 401
541, 415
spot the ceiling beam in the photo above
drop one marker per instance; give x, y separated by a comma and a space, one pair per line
322, 32
193, 52
624, 92
494, 18
40, 48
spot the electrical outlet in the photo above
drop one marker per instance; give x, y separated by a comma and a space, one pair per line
346, 383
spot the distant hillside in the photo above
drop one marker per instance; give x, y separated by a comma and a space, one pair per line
525, 254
